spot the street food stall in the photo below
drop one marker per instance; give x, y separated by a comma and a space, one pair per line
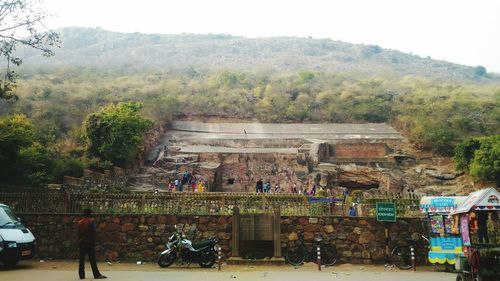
444, 235
480, 232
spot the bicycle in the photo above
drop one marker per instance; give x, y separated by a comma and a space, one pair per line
402, 256
299, 254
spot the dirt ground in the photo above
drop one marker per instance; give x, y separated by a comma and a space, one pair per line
67, 270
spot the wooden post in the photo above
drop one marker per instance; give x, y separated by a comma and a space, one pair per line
235, 242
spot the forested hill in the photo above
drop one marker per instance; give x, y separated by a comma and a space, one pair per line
104, 49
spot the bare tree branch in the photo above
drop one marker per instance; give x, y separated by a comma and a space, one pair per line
21, 23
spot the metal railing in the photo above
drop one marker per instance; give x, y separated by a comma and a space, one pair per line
187, 203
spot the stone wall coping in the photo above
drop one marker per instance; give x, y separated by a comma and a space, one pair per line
203, 215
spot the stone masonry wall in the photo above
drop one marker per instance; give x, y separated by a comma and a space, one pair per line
143, 237
357, 240
121, 237
247, 169
360, 150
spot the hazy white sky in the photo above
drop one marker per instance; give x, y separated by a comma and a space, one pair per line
465, 32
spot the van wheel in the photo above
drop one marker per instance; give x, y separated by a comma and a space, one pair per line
10, 264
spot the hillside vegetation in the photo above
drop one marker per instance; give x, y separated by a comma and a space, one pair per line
103, 49
435, 104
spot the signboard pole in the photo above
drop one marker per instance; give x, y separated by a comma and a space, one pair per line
386, 229
386, 213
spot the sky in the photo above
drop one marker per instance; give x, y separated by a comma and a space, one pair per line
460, 31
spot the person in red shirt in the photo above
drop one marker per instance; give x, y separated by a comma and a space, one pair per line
86, 241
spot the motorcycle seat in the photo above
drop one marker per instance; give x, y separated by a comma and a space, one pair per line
202, 244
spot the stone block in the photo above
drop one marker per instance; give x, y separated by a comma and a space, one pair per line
110, 227
346, 254
161, 219
363, 222
365, 254
150, 220
352, 237
366, 237
357, 230
172, 220
224, 236
143, 228
303, 221
311, 228
328, 228
356, 248
126, 227
308, 236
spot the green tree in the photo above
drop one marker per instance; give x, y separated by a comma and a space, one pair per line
116, 132
23, 160
21, 23
16, 132
485, 165
433, 135
35, 165
464, 153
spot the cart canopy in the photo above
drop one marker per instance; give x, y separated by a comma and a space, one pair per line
439, 204
484, 199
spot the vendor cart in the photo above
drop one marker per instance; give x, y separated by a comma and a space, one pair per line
444, 235
480, 232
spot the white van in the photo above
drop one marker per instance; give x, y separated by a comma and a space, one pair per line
16, 241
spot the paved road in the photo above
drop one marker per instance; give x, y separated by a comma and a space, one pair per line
64, 271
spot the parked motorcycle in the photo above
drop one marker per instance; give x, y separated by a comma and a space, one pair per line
178, 246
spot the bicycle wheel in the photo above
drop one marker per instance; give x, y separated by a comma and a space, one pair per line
401, 257
328, 256
295, 255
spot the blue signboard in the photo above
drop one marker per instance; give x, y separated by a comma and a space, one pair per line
443, 202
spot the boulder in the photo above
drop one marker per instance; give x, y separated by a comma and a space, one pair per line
366, 237
328, 228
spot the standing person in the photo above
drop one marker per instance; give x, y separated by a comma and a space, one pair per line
267, 187
178, 185
482, 227
259, 187
86, 241
294, 188
352, 212
193, 183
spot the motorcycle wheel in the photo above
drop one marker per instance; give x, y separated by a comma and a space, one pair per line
207, 259
166, 260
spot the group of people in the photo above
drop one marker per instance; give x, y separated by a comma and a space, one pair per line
266, 187
189, 181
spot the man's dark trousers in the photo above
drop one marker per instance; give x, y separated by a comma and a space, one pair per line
89, 250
